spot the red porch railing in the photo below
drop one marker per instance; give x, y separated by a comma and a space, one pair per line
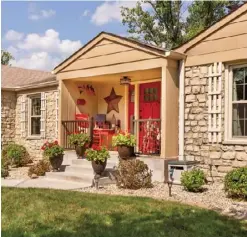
148, 132
73, 126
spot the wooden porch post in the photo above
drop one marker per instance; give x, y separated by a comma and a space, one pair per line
136, 113
163, 112
60, 95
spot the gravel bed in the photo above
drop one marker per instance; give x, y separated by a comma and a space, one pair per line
213, 197
18, 173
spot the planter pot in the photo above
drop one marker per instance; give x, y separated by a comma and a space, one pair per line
56, 162
80, 151
99, 166
125, 152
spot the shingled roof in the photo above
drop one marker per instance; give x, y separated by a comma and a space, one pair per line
14, 77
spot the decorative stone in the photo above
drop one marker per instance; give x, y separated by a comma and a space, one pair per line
237, 164
187, 90
241, 156
201, 98
215, 155
34, 176
195, 81
224, 169
190, 98
196, 89
229, 155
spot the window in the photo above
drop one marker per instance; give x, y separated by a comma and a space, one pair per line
150, 94
35, 115
237, 103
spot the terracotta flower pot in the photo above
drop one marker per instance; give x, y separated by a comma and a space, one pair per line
56, 162
99, 166
125, 152
80, 151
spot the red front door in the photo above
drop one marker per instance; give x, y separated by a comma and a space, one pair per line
149, 108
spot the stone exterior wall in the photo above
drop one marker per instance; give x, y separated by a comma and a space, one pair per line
215, 159
33, 145
8, 102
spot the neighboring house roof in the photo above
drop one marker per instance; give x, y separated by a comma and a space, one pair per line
121, 40
16, 78
210, 30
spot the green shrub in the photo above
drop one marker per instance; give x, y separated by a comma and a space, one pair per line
193, 180
236, 183
40, 168
124, 139
133, 174
15, 155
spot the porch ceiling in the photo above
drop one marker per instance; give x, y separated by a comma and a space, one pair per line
135, 76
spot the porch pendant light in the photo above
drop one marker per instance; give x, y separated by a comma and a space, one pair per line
125, 80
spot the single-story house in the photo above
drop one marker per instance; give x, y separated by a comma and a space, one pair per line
29, 105
188, 103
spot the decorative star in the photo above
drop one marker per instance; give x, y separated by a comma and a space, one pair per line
112, 100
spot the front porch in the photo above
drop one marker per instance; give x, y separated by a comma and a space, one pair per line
102, 107
92, 99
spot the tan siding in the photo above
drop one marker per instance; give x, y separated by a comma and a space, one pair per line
104, 42
119, 68
105, 50
224, 44
112, 59
229, 31
242, 17
226, 56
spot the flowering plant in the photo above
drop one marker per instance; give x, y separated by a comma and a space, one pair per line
79, 139
52, 149
97, 153
124, 139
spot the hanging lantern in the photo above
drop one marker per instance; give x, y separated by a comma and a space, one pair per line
125, 80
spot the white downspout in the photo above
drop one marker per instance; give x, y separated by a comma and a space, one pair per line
181, 109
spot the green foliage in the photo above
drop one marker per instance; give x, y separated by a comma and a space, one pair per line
97, 153
52, 149
203, 14
6, 57
236, 183
165, 21
161, 24
79, 139
124, 139
15, 155
40, 168
133, 174
193, 180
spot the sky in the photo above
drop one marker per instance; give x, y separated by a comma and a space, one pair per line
42, 34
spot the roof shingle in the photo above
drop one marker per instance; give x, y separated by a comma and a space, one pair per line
14, 77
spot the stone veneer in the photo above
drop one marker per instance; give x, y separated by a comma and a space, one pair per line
33, 145
215, 159
8, 102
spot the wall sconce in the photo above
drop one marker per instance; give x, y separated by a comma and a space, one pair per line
125, 80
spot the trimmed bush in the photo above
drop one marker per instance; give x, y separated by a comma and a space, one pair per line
15, 155
133, 174
193, 180
236, 183
40, 168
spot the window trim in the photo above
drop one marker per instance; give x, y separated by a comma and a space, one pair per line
30, 97
229, 139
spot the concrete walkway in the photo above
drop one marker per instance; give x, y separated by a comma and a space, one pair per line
43, 182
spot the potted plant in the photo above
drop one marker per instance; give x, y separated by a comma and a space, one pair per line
125, 143
80, 141
98, 156
55, 154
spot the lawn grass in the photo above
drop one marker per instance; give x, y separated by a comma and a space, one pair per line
51, 213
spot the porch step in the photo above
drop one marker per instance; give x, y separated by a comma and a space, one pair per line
80, 170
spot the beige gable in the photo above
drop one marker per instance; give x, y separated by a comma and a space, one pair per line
107, 53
